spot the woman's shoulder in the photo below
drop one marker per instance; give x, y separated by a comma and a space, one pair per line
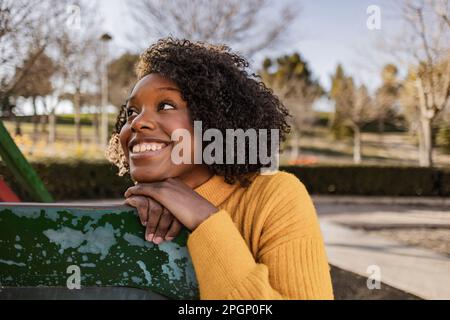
277, 189
281, 181
283, 202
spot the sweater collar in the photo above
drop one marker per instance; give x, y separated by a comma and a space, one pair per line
216, 190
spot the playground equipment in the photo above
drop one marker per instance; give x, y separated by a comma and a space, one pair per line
22, 170
54, 251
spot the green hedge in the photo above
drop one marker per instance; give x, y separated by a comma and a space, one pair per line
75, 180
96, 180
374, 180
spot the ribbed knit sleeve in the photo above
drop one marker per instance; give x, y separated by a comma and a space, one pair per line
290, 262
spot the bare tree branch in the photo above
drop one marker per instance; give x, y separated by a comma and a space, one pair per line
25, 26
427, 35
243, 24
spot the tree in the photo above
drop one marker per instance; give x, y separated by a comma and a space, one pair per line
386, 96
292, 81
27, 28
338, 82
37, 84
122, 76
353, 107
245, 25
443, 134
441, 9
78, 56
425, 44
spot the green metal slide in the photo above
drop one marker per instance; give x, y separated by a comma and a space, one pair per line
20, 168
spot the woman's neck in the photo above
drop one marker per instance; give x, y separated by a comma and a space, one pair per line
196, 177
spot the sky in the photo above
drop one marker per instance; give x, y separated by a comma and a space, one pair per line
326, 33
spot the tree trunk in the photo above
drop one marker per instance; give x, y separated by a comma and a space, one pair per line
17, 128
35, 120
52, 127
44, 120
380, 125
295, 150
96, 123
427, 114
356, 144
425, 143
295, 146
77, 109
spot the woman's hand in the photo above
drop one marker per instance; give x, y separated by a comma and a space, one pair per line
160, 224
185, 204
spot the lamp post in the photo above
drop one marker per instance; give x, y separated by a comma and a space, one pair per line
105, 38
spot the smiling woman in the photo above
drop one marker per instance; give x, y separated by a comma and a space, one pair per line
252, 235
154, 111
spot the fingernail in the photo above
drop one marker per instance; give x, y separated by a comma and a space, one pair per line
170, 238
157, 240
150, 237
144, 223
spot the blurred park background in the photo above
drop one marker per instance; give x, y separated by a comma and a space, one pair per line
367, 83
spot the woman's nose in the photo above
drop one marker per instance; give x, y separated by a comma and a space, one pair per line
143, 121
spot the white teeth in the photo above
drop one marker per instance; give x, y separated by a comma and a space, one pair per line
143, 147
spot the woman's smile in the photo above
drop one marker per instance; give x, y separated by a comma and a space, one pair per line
147, 154
145, 148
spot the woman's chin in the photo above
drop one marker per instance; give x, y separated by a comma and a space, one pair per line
144, 176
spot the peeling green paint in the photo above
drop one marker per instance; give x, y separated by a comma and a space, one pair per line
39, 242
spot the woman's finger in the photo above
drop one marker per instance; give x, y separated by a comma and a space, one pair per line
155, 212
141, 204
163, 226
174, 230
189, 207
159, 191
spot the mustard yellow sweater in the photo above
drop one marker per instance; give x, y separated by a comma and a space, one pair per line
263, 243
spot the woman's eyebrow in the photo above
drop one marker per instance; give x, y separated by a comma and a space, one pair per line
130, 99
169, 88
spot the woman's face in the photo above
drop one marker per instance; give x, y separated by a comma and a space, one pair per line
154, 110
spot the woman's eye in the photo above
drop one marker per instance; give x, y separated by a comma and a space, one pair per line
166, 106
130, 112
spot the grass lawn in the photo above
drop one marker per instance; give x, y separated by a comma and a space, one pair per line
387, 148
318, 146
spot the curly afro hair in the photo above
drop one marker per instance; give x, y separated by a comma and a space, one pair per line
219, 91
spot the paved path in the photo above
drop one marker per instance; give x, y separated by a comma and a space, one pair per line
380, 200
421, 272
391, 219
414, 270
